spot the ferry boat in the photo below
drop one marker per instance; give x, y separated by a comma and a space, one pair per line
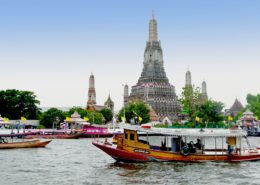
186, 145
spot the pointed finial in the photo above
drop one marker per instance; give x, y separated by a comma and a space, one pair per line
153, 14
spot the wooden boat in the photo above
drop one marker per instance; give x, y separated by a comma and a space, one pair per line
24, 144
178, 145
55, 136
95, 131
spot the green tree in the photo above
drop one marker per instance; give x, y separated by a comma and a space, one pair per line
107, 114
135, 110
82, 112
15, 103
254, 104
93, 116
210, 112
96, 117
51, 116
190, 97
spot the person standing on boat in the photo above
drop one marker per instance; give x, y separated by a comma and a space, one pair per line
198, 144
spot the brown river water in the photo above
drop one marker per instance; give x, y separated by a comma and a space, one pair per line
69, 162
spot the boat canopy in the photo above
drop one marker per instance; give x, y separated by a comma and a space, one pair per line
205, 132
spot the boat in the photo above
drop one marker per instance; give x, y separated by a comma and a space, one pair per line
24, 144
54, 135
96, 131
179, 145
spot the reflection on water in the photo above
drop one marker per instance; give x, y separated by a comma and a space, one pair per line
79, 162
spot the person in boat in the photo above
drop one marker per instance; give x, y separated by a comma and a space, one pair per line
2, 140
230, 149
192, 147
163, 146
198, 144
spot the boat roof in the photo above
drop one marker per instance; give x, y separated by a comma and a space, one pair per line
205, 132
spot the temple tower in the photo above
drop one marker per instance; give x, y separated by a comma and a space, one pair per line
91, 91
204, 91
109, 103
153, 86
188, 79
126, 94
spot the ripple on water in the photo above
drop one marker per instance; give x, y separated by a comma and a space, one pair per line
79, 162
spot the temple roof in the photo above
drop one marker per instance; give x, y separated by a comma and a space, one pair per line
109, 101
236, 107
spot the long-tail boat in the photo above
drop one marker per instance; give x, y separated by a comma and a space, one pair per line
179, 145
24, 144
51, 135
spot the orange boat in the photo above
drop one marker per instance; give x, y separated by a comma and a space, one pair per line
187, 145
24, 144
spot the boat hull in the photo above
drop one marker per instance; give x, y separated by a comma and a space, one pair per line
144, 155
25, 144
55, 136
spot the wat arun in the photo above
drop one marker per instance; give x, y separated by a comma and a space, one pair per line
153, 86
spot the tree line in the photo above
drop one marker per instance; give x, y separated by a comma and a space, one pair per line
15, 104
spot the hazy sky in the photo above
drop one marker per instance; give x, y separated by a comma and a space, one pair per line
52, 46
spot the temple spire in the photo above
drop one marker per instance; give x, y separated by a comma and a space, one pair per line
188, 79
204, 90
91, 91
126, 94
153, 29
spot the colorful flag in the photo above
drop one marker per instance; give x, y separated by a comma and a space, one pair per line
123, 119
23, 118
86, 118
140, 119
197, 119
230, 118
68, 119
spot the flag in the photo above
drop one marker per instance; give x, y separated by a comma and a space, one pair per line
197, 119
123, 119
23, 118
140, 119
86, 118
6, 120
230, 118
68, 119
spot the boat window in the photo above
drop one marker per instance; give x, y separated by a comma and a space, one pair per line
132, 137
126, 135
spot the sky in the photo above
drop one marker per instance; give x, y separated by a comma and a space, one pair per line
51, 47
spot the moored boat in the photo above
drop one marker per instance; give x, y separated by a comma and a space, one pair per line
96, 131
24, 144
55, 136
179, 145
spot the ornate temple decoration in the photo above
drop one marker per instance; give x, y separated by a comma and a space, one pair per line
153, 86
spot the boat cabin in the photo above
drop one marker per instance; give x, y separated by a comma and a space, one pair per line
184, 141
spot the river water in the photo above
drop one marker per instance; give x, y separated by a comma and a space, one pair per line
77, 161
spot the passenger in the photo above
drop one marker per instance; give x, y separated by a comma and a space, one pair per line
230, 149
191, 147
2, 140
198, 144
163, 146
